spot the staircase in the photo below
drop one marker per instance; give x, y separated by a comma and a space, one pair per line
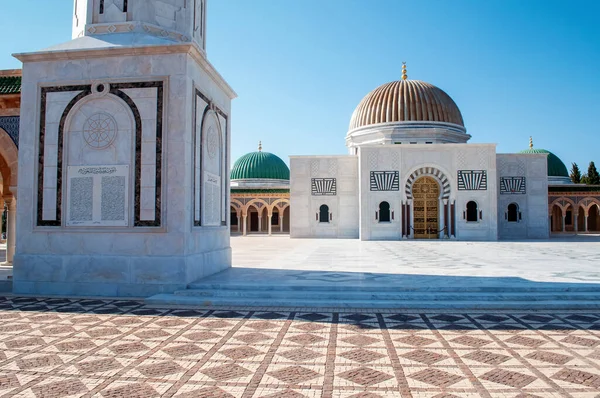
461, 294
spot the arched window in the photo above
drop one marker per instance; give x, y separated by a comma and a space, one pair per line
513, 212
471, 211
324, 213
384, 212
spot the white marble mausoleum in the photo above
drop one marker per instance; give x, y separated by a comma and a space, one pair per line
410, 174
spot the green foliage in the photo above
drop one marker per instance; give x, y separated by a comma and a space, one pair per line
584, 179
593, 178
575, 174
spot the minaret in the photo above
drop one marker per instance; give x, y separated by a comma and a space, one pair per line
176, 20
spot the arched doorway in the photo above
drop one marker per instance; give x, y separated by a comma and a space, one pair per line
569, 219
580, 219
234, 220
594, 219
556, 219
253, 216
285, 220
426, 220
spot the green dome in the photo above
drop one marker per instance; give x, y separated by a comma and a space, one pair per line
260, 165
556, 168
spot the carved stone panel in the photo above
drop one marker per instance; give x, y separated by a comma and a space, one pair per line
98, 196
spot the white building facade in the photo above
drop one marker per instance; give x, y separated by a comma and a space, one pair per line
410, 174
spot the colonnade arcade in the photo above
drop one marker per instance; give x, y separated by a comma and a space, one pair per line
575, 215
260, 216
8, 190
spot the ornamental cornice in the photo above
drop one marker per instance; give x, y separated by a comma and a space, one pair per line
135, 27
190, 48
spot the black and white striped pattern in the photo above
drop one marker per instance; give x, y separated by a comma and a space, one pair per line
385, 181
323, 186
512, 185
472, 180
428, 171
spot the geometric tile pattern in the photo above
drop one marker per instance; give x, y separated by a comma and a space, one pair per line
102, 348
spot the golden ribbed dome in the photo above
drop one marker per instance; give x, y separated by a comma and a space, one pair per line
406, 101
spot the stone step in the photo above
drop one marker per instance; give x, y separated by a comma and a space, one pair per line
6, 286
215, 294
172, 300
526, 287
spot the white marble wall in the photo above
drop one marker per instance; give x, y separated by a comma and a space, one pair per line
448, 159
532, 205
119, 261
343, 206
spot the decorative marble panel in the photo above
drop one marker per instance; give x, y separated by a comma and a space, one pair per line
97, 195
512, 185
92, 137
210, 161
323, 186
385, 181
472, 180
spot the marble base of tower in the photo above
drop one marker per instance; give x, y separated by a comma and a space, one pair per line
124, 164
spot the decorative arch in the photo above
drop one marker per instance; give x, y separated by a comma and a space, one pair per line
237, 204
588, 202
432, 172
10, 161
562, 202
281, 204
258, 204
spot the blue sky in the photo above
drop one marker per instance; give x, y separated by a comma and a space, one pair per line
515, 68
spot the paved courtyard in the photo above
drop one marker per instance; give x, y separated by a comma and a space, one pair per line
567, 260
97, 348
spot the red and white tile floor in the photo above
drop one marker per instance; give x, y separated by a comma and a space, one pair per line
97, 348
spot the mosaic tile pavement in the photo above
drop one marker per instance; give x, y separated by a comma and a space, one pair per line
101, 348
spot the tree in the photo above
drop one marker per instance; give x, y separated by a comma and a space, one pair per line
593, 178
584, 179
575, 174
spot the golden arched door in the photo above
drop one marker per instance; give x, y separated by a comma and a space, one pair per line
426, 194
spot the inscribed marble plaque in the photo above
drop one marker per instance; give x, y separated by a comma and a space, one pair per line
98, 196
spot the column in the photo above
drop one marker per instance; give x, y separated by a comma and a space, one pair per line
585, 223
411, 211
11, 228
270, 227
1, 212
260, 222
576, 222
239, 224
446, 225
245, 216
281, 214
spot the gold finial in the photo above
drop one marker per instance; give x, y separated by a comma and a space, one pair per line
404, 75
259, 146
530, 142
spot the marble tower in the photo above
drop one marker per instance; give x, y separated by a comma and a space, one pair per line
124, 154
